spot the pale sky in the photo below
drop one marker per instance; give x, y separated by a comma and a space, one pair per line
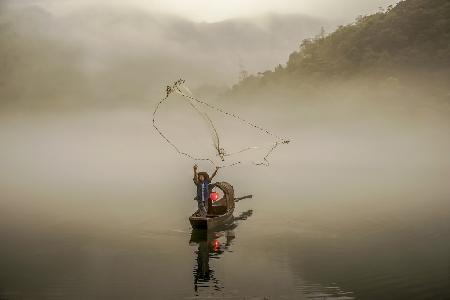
216, 10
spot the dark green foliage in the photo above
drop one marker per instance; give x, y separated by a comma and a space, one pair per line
413, 36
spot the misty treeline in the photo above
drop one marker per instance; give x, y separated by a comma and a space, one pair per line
401, 48
104, 55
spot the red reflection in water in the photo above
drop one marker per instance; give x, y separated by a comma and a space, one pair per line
215, 245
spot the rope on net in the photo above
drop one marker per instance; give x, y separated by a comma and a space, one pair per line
221, 153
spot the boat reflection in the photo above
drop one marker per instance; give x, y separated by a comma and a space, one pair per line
212, 245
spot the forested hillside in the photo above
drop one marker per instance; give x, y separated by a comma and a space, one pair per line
410, 39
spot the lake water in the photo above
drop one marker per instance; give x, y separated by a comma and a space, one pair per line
96, 206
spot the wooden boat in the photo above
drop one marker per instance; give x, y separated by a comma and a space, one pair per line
219, 212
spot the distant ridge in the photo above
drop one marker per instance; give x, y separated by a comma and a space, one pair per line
413, 36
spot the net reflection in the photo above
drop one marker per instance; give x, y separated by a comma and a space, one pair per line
212, 245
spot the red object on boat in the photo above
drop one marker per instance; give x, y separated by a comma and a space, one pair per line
214, 196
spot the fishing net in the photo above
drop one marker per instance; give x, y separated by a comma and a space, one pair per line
225, 152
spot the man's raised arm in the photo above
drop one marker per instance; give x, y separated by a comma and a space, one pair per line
195, 175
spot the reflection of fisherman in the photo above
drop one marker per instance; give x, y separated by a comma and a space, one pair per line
203, 183
203, 272
209, 246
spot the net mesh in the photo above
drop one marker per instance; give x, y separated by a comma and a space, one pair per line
222, 155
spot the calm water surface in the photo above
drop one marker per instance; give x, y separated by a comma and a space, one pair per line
95, 207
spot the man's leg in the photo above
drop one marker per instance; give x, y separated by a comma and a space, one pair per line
202, 208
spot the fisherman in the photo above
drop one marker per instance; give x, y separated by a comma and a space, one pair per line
204, 187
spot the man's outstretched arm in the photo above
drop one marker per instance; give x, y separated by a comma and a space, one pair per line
215, 173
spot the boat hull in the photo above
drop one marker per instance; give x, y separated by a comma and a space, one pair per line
210, 222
